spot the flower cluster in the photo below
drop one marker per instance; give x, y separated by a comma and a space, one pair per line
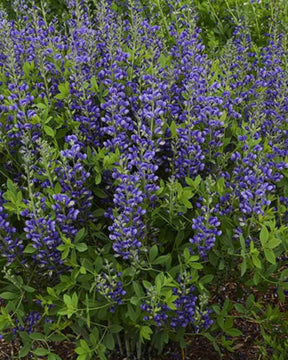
205, 232
29, 323
110, 286
183, 309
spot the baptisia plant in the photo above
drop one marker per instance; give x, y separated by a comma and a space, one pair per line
137, 174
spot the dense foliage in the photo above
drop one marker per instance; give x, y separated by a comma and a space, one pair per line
138, 174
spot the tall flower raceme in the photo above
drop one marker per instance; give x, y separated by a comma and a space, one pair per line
82, 102
109, 285
206, 223
238, 64
206, 229
260, 166
190, 309
140, 158
199, 116
42, 236
44, 228
28, 44
184, 308
128, 228
255, 178
273, 78
72, 205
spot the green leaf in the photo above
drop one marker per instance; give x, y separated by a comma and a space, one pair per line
94, 85
220, 185
220, 321
67, 299
256, 261
28, 288
173, 129
196, 266
270, 256
74, 300
153, 253
52, 356
29, 249
57, 337
284, 275
281, 294
264, 235
37, 336
80, 351
206, 279
25, 350
49, 131
41, 106
64, 89
98, 179
256, 278
85, 346
82, 356
159, 281
250, 301
99, 212
41, 352
273, 243
164, 60
186, 255
194, 183
216, 309
163, 260
145, 333
187, 203
5, 321
137, 288
115, 328
223, 116
94, 336
135, 300
240, 308
101, 352
161, 338
189, 181
133, 315
11, 186
109, 341
233, 332
242, 243
82, 270
100, 193
81, 247
9, 295
27, 68
147, 284
243, 267
80, 235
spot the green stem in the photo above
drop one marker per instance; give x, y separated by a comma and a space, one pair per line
127, 346
138, 349
120, 344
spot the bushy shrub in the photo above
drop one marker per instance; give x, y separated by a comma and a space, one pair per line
137, 175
